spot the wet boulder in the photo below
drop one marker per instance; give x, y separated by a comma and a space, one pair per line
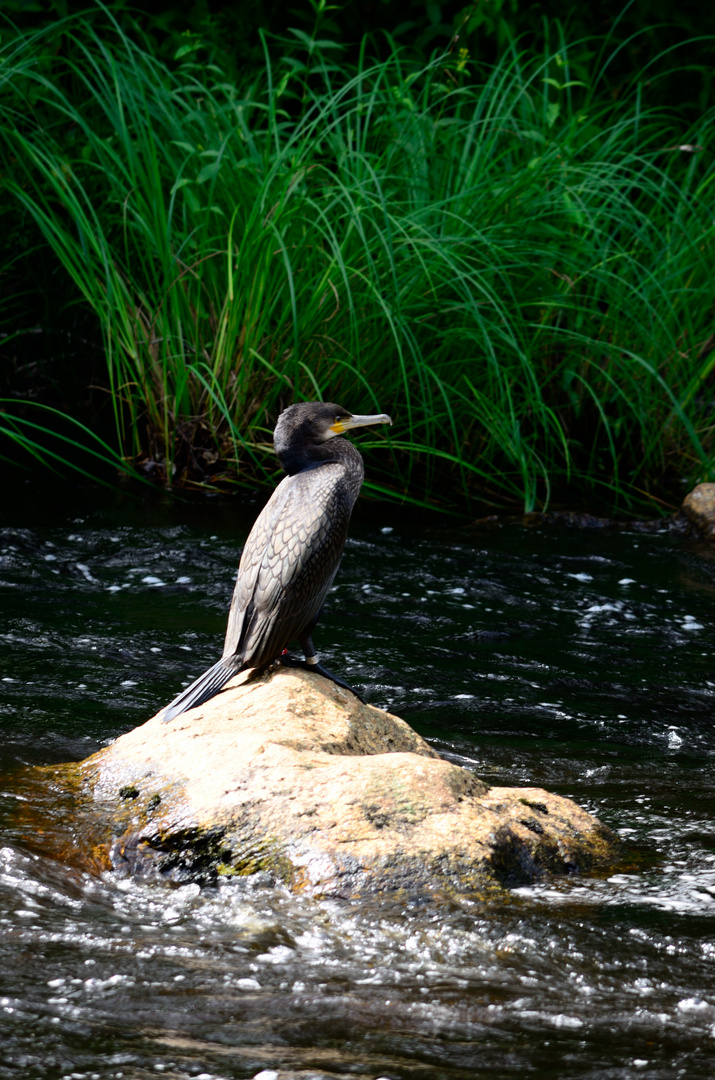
699, 507
291, 775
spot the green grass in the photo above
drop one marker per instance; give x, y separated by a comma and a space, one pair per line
60, 443
513, 264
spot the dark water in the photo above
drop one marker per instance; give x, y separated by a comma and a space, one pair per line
577, 660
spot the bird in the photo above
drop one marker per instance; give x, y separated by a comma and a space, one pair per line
293, 551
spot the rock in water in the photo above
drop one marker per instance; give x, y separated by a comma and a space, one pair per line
699, 507
290, 774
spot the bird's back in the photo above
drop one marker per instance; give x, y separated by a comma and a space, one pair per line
288, 563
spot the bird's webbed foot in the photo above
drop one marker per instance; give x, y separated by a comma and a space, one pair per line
311, 664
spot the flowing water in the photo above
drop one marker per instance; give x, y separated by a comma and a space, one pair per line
578, 660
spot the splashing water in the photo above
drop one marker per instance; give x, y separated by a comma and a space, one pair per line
580, 661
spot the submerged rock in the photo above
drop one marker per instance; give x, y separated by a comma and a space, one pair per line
290, 774
699, 507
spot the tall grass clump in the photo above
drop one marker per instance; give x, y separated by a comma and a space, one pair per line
514, 264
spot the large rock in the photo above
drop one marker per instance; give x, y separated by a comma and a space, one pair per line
699, 507
290, 774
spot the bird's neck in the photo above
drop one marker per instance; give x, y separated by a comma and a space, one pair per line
332, 451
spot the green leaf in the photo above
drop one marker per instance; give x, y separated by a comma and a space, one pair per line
208, 172
185, 50
181, 183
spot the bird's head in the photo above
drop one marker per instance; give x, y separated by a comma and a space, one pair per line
309, 424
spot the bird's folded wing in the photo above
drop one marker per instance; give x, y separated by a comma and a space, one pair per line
288, 563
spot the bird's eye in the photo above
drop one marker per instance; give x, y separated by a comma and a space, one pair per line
338, 419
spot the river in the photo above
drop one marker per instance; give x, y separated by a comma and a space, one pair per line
580, 660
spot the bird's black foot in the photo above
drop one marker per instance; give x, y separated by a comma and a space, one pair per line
290, 661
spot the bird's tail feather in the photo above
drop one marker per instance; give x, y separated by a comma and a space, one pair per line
203, 688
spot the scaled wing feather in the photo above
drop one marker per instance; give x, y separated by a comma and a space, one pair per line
288, 565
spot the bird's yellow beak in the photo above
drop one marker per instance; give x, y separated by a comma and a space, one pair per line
347, 422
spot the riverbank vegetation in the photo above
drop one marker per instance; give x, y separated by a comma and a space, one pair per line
510, 258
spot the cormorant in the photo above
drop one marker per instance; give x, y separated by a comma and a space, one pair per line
293, 550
